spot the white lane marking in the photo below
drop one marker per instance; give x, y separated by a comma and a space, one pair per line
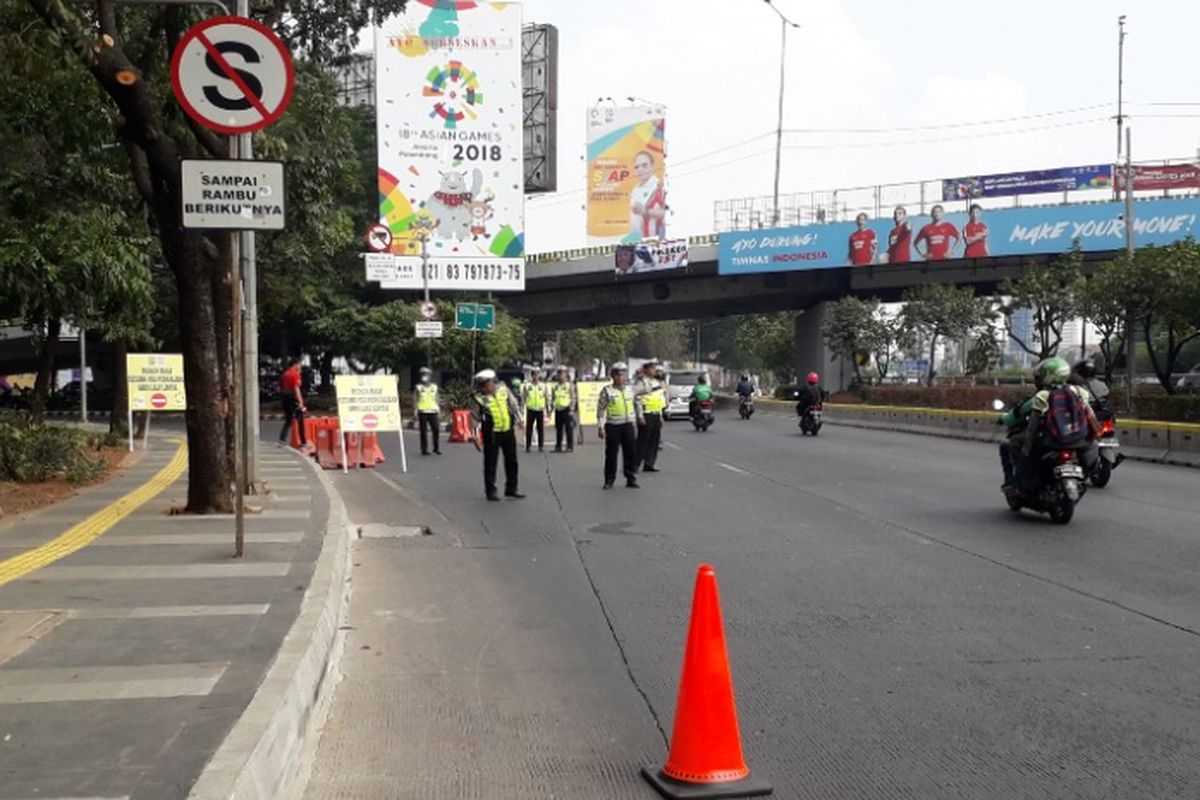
108, 683
166, 612
672, 445
104, 572
732, 468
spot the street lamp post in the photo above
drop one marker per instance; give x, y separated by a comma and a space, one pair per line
784, 24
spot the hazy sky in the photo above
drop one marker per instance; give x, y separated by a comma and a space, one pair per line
866, 64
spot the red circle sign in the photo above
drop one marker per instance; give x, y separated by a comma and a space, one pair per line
370, 421
232, 74
158, 400
379, 238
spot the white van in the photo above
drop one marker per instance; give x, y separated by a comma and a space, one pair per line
679, 388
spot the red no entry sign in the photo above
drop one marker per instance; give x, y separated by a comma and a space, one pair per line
232, 75
158, 400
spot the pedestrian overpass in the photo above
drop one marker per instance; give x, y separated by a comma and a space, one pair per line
581, 289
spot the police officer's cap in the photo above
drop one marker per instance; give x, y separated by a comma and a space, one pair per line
426, 371
485, 375
620, 366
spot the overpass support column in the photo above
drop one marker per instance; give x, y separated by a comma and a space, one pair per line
812, 354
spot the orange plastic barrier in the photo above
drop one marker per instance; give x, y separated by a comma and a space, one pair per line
369, 453
352, 441
460, 425
310, 431
328, 440
705, 759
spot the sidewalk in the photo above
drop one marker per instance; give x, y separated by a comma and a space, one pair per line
128, 653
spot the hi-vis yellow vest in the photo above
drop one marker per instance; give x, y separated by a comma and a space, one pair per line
497, 406
535, 396
654, 401
427, 398
562, 396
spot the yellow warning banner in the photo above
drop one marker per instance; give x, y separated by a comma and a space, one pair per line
367, 403
155, 382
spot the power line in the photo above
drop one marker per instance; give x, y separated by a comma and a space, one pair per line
942, 139
951, 125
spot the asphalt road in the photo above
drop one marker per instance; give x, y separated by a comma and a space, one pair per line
895, 631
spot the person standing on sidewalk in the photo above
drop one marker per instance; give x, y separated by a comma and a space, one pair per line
652, 394
565, 401
428, 411
535, 398
617, 411
292, 397
494, 412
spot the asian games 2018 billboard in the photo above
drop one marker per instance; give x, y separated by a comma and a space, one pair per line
979, 233
449, 128
626, 180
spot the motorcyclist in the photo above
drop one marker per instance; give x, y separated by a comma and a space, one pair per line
745, 387
700, 392
1051, 374
1083, 374
811, 395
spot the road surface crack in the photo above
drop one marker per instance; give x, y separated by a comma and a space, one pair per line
562, 512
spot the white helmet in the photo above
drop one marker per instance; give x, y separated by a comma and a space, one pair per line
620, 366
426, 371
485, 375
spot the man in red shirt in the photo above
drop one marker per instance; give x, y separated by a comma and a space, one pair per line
975, 234
293, 402
863, 246
900, 238
937, 236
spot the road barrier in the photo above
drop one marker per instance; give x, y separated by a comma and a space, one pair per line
460, 426
369, 453
1144, 440
705, 758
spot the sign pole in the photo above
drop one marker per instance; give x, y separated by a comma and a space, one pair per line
83, 411
345, 458
400, 433
129, 412
425, 284
1130, 373
239, 388
146, 432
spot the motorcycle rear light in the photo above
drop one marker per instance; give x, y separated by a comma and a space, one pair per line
1106, 427
1065, 456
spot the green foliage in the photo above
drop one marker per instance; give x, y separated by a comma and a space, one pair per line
1103, 301
855, 328
1165, 292
35, 453
767, 342
608, 343
985, 352
940, 310
1051, 294
669, 340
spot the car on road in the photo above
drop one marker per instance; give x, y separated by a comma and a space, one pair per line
679, 388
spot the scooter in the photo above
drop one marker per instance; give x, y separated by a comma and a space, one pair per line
1110, 446
1061, 484
746, 406
702, 415
810, 420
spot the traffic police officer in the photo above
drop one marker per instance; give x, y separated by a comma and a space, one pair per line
494, 412
653, 395
616, 412
562, 394
535, 396
428, 409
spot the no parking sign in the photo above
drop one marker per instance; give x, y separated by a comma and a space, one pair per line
232, 74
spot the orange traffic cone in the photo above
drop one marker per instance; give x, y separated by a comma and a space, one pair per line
706, 759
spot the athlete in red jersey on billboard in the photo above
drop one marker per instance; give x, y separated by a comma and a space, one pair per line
900, 238
975, 234
940, 237
863, 245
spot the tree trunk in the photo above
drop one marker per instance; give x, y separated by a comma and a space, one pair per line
326, 370
932, 349
117, 422
45, 373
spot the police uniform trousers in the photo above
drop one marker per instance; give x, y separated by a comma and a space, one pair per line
493, 445
535, 417
649, 435
623, 437
564, 422
430, 420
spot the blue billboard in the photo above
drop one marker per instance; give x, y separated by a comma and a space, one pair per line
941, 237
1005, 184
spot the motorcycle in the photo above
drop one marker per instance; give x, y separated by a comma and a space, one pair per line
746, 406
1110, 446
702, 415
810, 420
1061, 483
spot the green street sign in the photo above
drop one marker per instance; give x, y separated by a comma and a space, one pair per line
475, 316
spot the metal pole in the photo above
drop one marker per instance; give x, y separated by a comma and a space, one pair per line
1120, 93
239, 387
249, 346
783, 26
697, 344
83, 411
1129, 343
425, 284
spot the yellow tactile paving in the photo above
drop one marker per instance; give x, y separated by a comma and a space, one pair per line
86, 531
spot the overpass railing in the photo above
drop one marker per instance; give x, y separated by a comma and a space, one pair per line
599, 250
844, 204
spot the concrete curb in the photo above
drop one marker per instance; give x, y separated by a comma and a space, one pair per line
264, 755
